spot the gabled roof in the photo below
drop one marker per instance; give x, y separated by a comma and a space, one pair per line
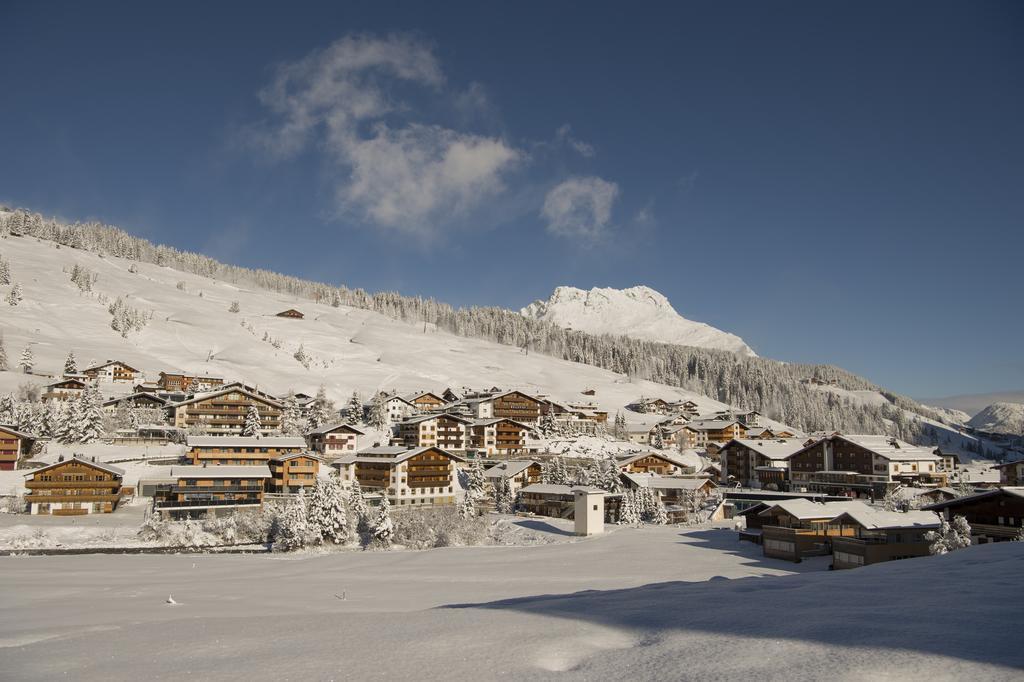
434, 415
1012, 491
66, 380
229, 389
331, 428
889, 447
494, 420
772, 449
109, 468
624, 460
416, 396
879, 519
246, 441
108, 363
14, 432
711, 424
394, 454
668, 482
295, 455
142, 396
548, 489
233, 471
803, 509
510, 468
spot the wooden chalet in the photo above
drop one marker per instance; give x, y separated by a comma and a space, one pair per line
290, 473
409, 477
199, 491
187, 383
223, 412
758, 463
1011, 473
796, 528
66, 389
291, 313
112, 371
135, 400
74, 486
446, 431
240, 450
334, 440
519, 473
651, 463
426, 401
517, 406
498, 437
994, 515
13, 446
879, 536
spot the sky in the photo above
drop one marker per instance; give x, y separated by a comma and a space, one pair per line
834, 182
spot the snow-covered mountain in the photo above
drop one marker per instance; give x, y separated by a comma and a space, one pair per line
1000, 418
639, 312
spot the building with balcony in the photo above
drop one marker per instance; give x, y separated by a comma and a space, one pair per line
74, 486
201, 491
880, 535
334, 440
757, 463
240, 450
498, 438
519, 473
994, 515
223, 412
424, 476
13, 446
111, 371
660, 463
290, 473
446, 431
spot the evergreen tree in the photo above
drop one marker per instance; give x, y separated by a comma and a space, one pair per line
27, 361
504, 499
355, 409
292, 525
7, 408
321, 411
611, 479
4, 363
90, 415
378, 417
235, 307
467, 507
659, 515
70, 364
5, 272
253, 425
301, 356
628, 513
384, 527
657, 440
476, 480
357, 503
949, 537
68, 421
327, 516
15, 297
292, 422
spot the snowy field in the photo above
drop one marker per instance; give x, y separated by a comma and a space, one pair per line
649, 603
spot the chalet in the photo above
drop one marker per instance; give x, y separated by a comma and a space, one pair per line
1011, 473
994, 515
755, 463
650, 405
548, 499
446, 431
450, 396
879, 536
397, 408
199, 491
289, 473
334, 440
137, 401
425, 401
291, 314
415, 477
74, 486
862, 466
949, 461
715, 430
240, 450
930, 496
520, 473
681, 496
794, 528
651, 463
687, 407
66, 389
111, 371
187, 383
498, 437
574, 418
517, 406
13, 446
223, 412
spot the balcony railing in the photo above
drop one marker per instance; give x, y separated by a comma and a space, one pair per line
166, 505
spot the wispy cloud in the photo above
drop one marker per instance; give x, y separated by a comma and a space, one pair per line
580, 207
564, 136
395, 172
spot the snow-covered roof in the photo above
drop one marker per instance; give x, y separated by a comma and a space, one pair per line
14, 432
772, 449
109, 468
294, 455
668, 482
710, 424
331, 428
509, 468
624, 460
803, 509
246, 441
879, 519
548, 489
889, 447
265, 397
108, 363
395, 453
135, 396
232, 471
1013, 491
428, 417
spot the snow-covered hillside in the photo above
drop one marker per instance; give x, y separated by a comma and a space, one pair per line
1000, 418
192, 330
640, 312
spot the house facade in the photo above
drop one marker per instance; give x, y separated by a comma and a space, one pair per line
995, 515
756, 463
651, 463
412, 477
519, 473
240, 450
199, 491
880, 536
517, 406
290, 473
498, 438
13, 445
112, 372
66, 389
223, 412
334, 440
186, 383
446, 431
73, 487
1011, 473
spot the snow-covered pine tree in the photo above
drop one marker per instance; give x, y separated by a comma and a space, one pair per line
611, 479
378, 416
476, 480
949, 537
628, 513
301, 356
357, 503
504, 500
4, 363
90, 415
467, 507
328, 519
383, 526
292, 525
657, 440
320, 413
27, 361
68, 421
292, 421
5, 272
7, 408
234, 307
659, 515
15, 297
253, 425
70, 364
354, 413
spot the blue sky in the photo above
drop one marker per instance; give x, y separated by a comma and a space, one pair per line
834, 182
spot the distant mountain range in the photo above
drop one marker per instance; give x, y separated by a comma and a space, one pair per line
972, 404
639, 312
1001, 418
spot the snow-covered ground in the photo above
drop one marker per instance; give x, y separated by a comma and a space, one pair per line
650, 603
640, 312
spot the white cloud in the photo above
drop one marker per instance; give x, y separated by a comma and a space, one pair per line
584, 149
410, 176
580, 207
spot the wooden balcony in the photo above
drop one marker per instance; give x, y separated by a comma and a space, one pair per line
77, 485
85, 499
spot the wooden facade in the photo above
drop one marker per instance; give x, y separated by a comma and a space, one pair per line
240, 450
186, 383
426, 402
73, 487
65, 389
335, 440
13, 446
994, 515
517, 406
291, 313
500, 438
223, 412
199, 491
289, 473
445, 431
113, 371
409, 477
649, 463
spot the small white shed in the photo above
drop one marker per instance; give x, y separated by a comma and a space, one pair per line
589, 510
